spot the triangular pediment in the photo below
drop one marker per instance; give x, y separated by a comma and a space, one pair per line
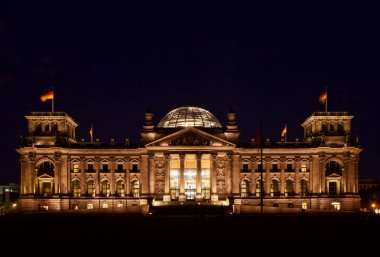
190, 137
333, 175
45, 176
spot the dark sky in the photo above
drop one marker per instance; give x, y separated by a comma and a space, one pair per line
110, 63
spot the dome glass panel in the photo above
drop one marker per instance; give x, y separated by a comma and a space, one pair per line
189, 117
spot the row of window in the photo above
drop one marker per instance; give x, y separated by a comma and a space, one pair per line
275, 168
105, 168
105, 188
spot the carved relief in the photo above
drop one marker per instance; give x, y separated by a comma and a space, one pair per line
159, 174
190, 138
220, 175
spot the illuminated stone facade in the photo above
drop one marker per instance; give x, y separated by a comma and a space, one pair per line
189, 157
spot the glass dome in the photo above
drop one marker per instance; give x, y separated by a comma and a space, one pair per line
189, 117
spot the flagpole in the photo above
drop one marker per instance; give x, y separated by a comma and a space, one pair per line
326, 100
286, 132
52, 102
92, 131
261, 166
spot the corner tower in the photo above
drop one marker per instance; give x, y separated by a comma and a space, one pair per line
329, 128
49, 129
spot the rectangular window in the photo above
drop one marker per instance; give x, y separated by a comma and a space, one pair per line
105, 206
135, 167
274, 167
90, 168
289, 167
120, 168
76, 168
90, 206
245, 167
105, 167
303, 168
260, 167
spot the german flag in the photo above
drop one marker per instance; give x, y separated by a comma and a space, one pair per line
47, 96
323, 97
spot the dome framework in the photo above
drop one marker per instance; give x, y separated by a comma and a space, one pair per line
189, 116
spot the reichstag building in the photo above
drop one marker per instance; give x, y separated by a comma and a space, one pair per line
189, 157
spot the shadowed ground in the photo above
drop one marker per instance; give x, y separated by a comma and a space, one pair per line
213, 228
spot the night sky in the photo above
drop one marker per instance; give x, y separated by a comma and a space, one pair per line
108, 64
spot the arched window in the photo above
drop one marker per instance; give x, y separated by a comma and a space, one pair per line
120, 189
244, 188
38, 129
275, 188
46, 168
324, 128
340, 127
258, 187
289, 187
91, 188
304, 187
76, 188
135, 188
333, 167
106, 188
55, 128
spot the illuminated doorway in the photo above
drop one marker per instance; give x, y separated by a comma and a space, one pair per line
190, 176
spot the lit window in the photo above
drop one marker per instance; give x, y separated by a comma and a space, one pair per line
304, 206
90, 206
76, 168
119, 205
105, 205
336, 206
136, 188
303, 168
244, 189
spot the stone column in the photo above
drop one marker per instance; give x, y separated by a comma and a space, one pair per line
25, 175
182, 196
213, 174
315, 182
229, 174
144, 173
199, 176
32, 175
268, 183
127, 176
346, 175
65, 175
152, 175
296, 176
355, 174
112, 168
167, 177
82, 167
57, 173
322, 174
282, 175
252, 166
97, 167
235, 175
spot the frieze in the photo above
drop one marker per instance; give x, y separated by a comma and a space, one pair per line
190, 138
